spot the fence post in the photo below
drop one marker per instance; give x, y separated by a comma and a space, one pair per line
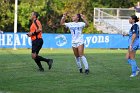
118, 11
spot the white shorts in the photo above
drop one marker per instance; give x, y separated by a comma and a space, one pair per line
77, 44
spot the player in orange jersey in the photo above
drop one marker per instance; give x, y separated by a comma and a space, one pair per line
37, 41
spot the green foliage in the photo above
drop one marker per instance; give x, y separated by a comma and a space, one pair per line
51, 12
26, 8
6, 15
116, 3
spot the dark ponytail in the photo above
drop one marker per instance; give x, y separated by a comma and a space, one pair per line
36, 14
134, 17
79, 16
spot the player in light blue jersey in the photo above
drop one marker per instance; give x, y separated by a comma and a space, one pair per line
133, 42
76, 28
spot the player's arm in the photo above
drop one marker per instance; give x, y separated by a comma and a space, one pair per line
133, 38
84, 19
125, 34
132, 41
39, 29
62, 22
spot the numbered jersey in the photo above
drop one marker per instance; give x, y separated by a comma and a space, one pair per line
76, 31
134, 30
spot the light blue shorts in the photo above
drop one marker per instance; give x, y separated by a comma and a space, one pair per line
134, 48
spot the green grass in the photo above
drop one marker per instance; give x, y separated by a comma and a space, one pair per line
109, 72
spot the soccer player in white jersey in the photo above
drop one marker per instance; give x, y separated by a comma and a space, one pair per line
76, 28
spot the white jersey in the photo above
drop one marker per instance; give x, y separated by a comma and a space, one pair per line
76, 31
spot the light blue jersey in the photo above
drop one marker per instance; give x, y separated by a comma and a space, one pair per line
134, 30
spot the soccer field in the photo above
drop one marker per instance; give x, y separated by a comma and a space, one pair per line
109, 72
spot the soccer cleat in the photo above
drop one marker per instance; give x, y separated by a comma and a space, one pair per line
87, 71
132, 75
81, 71
50, 63
41, 69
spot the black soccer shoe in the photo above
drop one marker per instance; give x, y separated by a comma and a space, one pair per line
87, 71
50, 63
81, 71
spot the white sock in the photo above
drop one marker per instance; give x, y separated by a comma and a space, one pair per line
78, 62
84, 60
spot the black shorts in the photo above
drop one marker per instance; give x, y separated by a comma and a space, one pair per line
37, 45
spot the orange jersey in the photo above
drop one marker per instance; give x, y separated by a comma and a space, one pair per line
33, 28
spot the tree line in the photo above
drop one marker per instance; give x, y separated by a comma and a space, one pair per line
51, 12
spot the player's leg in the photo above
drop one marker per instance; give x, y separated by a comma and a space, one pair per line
34, 55
83, 58
77, 58
40, 58
132, 63
128, 57
135, 48
134, 67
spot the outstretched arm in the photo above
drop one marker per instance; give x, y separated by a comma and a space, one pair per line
84, 19
125, 34
62, 22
